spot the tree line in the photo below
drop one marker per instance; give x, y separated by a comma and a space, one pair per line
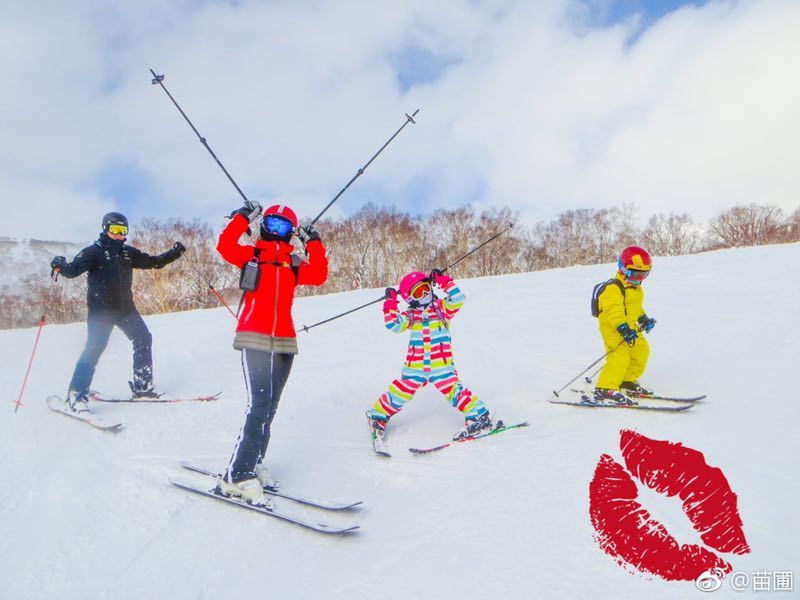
376, 246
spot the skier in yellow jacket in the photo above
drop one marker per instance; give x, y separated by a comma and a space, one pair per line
621, 318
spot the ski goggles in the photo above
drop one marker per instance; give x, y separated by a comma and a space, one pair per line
419, 291
117, 229
635, 275
277, 225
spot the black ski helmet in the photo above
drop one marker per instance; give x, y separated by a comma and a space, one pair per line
114, 218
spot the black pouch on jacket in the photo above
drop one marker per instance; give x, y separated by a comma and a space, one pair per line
251, 273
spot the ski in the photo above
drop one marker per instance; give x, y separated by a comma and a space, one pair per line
665, 398
161, 398
213, 493
468, 439
56, 404
646, 396
586, 399
280, 493
378, 443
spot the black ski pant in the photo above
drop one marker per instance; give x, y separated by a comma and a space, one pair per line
265, 375
99, 326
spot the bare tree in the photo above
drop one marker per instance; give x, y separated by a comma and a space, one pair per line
792, 227
377, 246
184, 284
750, 225
371, 248
671, 235
584, 236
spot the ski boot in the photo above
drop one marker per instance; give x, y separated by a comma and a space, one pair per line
265, 477
248, 490
634, 388
378, 425
148, 392
477, 425
77, 403
605, 396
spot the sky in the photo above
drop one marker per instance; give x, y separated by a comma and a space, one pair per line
541, 107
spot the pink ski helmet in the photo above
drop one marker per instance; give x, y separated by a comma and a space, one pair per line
408, 282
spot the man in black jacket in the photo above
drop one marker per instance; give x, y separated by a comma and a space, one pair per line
110, 263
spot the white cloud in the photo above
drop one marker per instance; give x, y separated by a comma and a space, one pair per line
534, 111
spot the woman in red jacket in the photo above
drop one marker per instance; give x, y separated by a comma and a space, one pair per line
265, 333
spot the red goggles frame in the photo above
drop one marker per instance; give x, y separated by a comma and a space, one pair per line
420, 290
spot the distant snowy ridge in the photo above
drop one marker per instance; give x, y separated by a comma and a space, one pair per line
25, 257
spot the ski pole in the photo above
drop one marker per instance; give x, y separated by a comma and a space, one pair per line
159, 80
221, 299
352, 310
409, 119
587, 368
591, 377
30, 363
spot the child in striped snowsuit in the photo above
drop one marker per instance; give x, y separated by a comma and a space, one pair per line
430, 357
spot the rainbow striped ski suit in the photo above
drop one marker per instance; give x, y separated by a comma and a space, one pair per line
430, 357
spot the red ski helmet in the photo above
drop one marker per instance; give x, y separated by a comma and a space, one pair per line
409, 282
278, 222
281, 210
635, 264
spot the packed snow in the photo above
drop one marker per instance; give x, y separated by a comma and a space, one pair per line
88, 514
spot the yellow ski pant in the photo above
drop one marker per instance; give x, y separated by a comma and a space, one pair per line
626, 363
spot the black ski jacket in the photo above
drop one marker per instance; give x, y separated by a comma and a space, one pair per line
110, 265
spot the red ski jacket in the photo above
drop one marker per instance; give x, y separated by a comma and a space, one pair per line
265, 321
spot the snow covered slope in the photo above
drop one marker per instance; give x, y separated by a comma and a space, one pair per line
86, 514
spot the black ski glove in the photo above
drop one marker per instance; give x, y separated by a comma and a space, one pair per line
646, 323
307, 233
628, 334
59, 262
179, 249
438, 277
250, 211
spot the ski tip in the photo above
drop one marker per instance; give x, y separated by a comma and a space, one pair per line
352, 529
420, 451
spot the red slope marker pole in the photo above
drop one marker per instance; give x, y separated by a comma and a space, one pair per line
30, 363
221, 299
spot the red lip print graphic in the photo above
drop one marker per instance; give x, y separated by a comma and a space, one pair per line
627, 532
